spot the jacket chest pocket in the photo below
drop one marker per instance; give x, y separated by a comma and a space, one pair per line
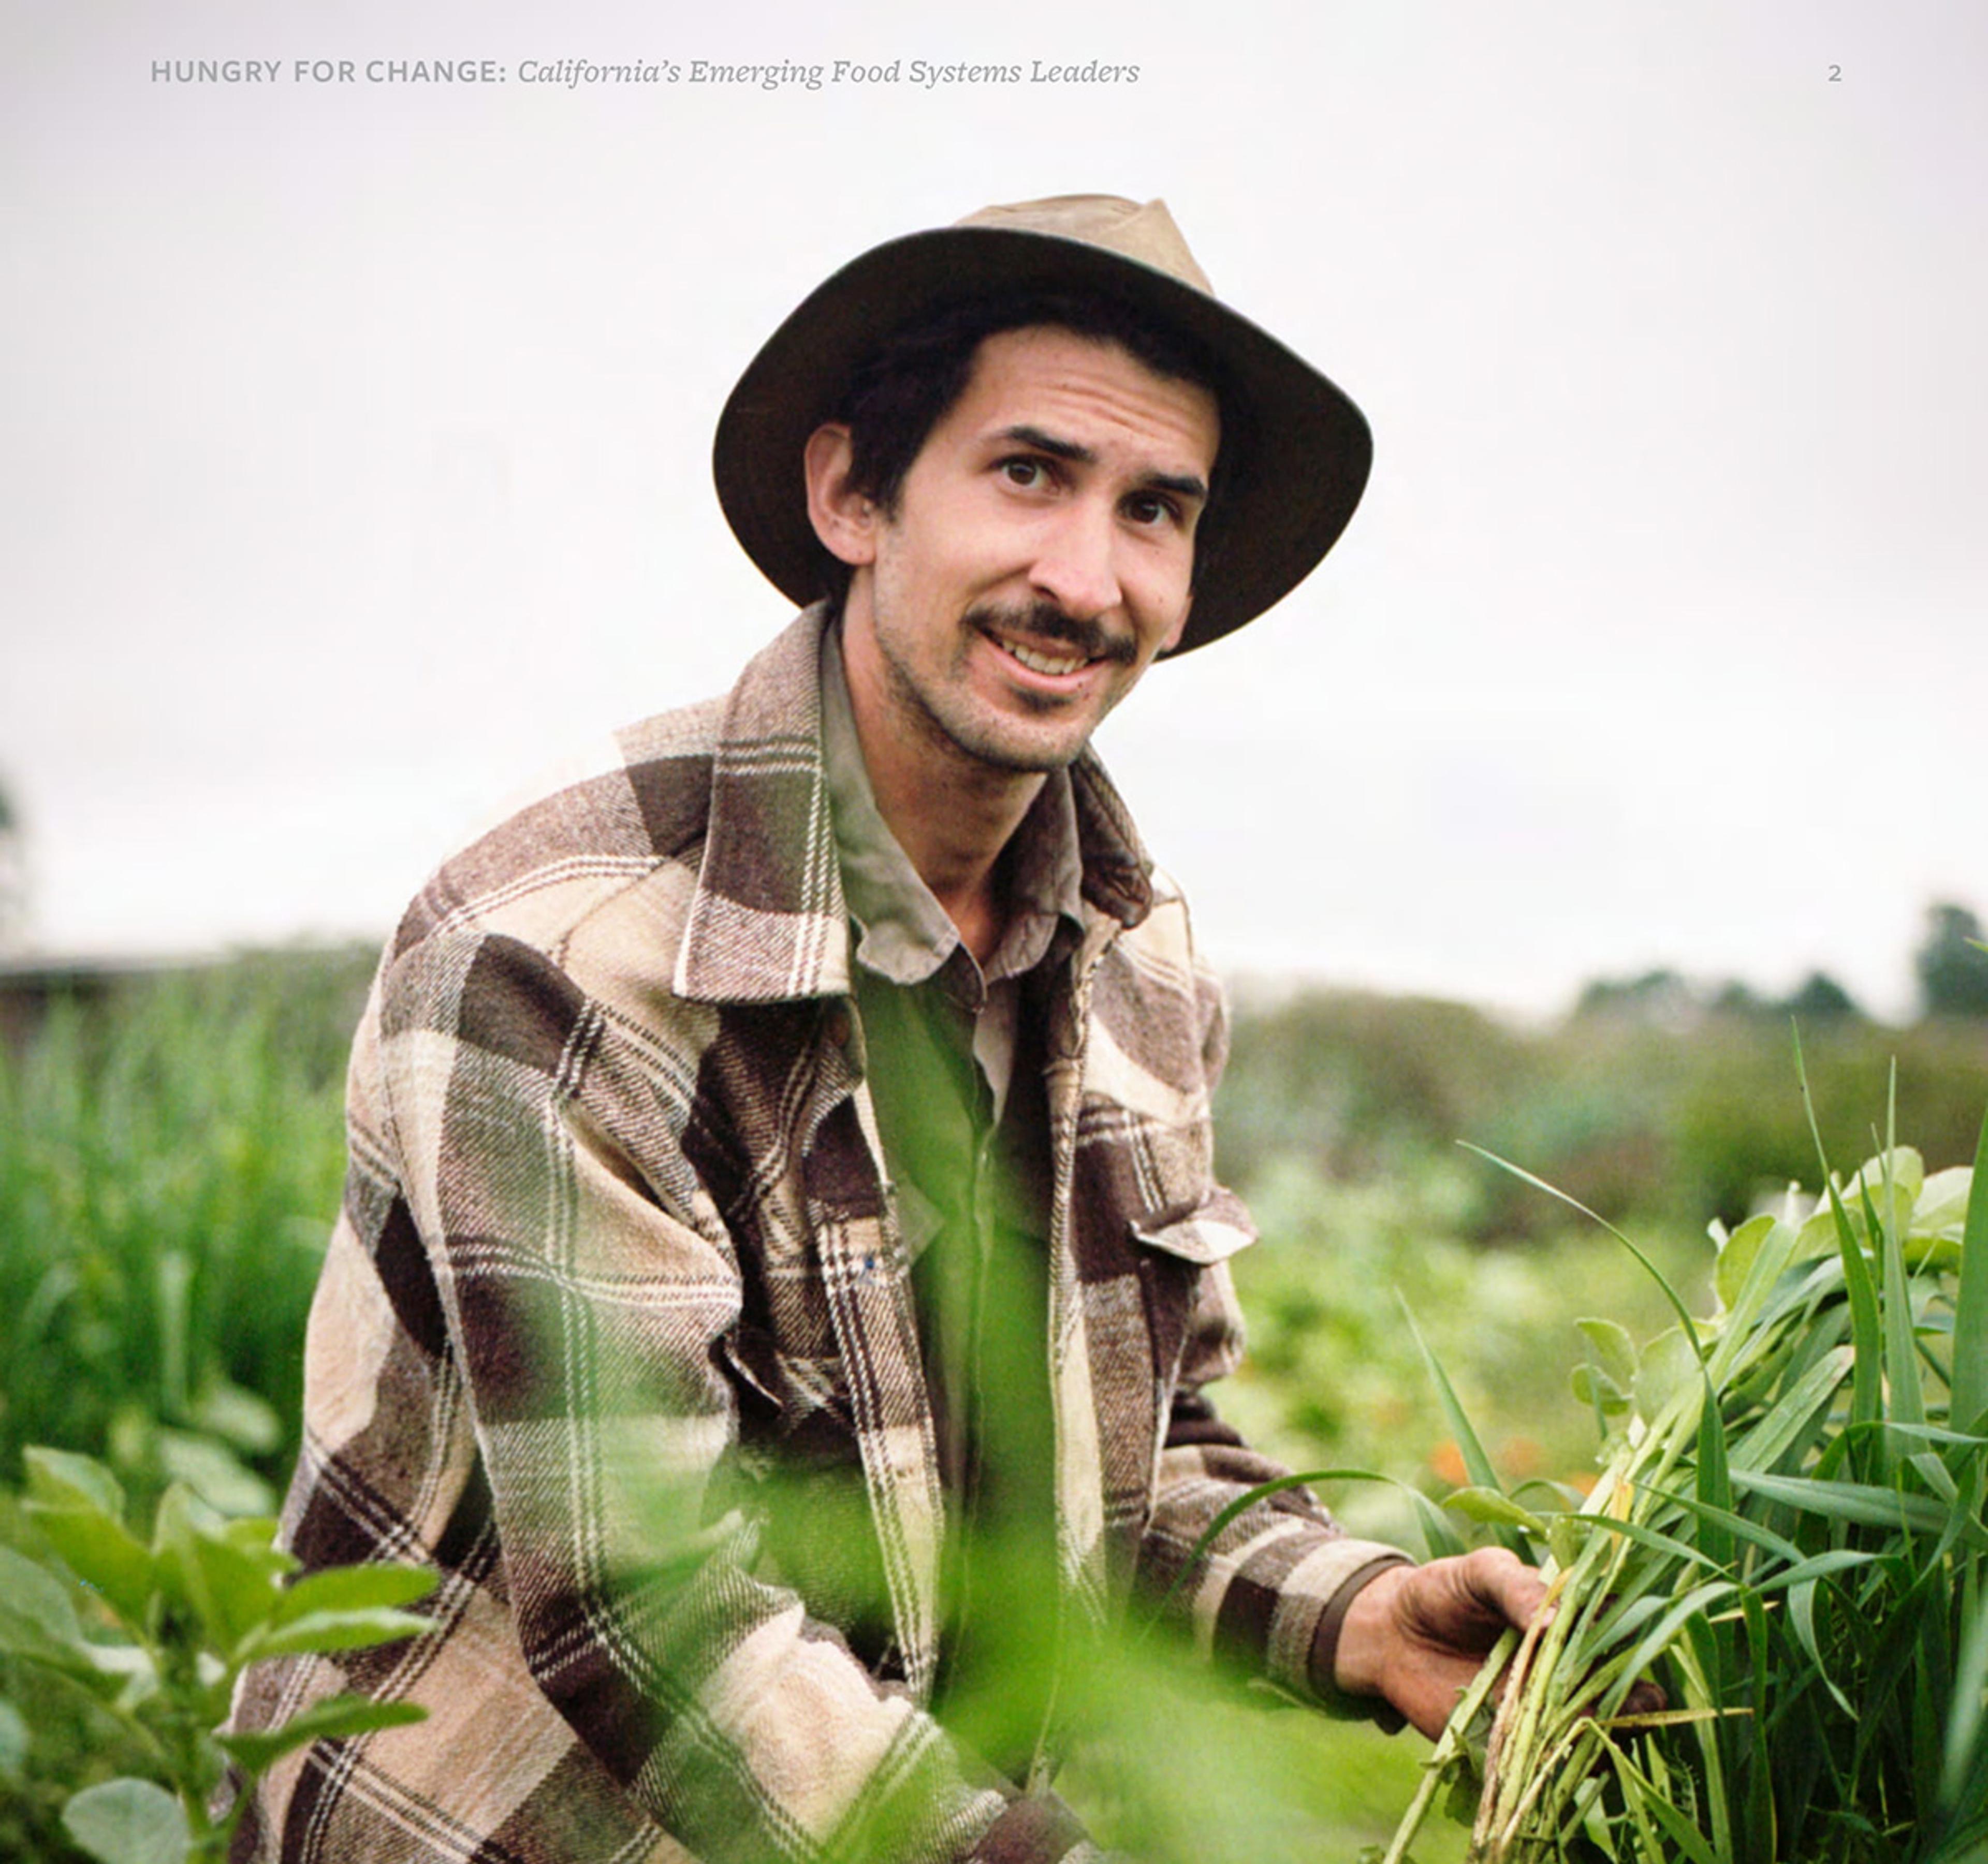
1191, 1308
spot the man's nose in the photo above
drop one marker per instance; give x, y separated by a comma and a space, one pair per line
1077, 565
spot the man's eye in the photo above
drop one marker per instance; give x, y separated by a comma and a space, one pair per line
1027, 472
1149, 508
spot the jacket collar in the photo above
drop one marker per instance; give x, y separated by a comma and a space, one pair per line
767, 921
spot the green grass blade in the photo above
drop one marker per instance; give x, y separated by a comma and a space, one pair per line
1973, 1441
1867, 1380
1443, 1539
1929, 1684
1715, 1487
1862, 1504
1963, 1754
1968, 1844
1574, 1204
1655, 1640
1934, 1474
1751, 1743
1748, 1309
1818, 1566
1636, 1796
1866, 1394
1738, 1525
1901, 1356
1970, 1313
1475, 1461
1668, 1545
1964, 1514
1801, 1614
1691, 1843
1765, 1443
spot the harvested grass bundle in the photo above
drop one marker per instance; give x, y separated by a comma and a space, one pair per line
1789, 1535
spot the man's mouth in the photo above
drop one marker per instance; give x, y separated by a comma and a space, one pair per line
1037, 661
1048, 642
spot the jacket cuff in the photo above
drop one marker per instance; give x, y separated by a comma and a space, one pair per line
1322, 1666
1039, 1829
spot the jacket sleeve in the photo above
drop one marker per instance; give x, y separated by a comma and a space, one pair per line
588, 1285
1268, 1590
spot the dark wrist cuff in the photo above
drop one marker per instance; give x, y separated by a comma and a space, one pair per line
1322, 1665
1037, 1828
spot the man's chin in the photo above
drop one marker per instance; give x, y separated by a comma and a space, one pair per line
1028, 760
1021, 752
1000, 727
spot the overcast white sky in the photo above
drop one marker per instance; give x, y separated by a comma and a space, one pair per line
358, 440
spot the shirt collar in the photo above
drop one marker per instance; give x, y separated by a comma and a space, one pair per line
767, 921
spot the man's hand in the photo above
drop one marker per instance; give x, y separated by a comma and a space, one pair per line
1418, 1635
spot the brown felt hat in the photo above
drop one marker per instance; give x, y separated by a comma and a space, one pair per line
1299, 471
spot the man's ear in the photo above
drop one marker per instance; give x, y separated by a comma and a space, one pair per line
844, 520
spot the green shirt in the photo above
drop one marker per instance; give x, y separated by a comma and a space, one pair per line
954, 1058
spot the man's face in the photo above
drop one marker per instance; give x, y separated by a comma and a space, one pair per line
1041, 551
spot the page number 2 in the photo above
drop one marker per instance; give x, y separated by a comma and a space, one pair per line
1836, 74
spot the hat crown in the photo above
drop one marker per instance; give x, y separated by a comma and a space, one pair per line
1145, 233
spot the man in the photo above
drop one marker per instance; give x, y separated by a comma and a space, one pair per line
780, 1267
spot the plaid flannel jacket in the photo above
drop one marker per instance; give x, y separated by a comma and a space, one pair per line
617, 1260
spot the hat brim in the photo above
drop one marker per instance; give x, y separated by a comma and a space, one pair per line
1285, 497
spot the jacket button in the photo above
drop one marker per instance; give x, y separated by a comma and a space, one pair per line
837, 1026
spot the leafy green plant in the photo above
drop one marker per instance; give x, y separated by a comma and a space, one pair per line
170, 1155
155, 1632
1789, 1533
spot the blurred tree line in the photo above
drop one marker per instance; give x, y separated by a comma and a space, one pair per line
1656, 1097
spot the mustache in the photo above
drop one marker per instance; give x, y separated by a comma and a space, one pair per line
1042, 620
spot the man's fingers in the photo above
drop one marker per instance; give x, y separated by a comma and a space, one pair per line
1417, 1634
1521, 1590
1499, 1586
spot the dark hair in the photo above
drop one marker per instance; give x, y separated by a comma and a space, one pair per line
909, 383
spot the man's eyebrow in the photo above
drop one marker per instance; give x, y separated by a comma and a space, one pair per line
1034, 437
1186, 485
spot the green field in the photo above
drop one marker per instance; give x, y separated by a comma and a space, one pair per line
171, 1158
